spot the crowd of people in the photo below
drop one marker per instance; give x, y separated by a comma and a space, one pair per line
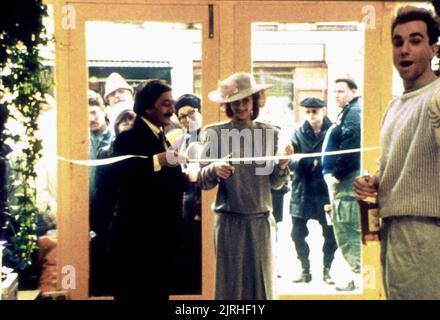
244, 216
149, 205
157, 194
109, 118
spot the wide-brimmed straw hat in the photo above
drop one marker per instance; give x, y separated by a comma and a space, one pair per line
115, 82
236, 87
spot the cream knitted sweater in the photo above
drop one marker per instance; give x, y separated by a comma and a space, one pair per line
410, 163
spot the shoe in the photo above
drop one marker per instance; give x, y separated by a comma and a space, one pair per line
305, 277
349, 287
326, 276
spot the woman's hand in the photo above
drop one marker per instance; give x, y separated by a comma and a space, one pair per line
223, 170
288, 151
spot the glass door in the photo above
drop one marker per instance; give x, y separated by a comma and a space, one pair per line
301, 49
137, 42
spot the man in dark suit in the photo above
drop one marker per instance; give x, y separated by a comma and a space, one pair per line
145, 229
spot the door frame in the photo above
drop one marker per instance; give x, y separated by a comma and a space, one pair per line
222, 54
377, 86
72, 125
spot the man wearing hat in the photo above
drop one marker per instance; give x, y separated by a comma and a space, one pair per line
188, 112
309, 191
118, 94
187, 109
339, 173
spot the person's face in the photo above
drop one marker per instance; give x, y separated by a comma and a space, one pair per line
412, 53
242, 109
96, 119
120, 95
343, 94
186, 116
163, 110
125, 125
314, 116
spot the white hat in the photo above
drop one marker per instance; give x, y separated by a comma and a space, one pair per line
115, 82
236, 87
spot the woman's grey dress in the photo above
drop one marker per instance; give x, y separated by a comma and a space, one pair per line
244, 223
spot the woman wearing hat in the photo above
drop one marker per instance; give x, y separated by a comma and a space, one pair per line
244, 224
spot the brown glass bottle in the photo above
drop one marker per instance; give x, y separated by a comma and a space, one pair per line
370, 220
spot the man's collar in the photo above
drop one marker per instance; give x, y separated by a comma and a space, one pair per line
156, 130
100, 135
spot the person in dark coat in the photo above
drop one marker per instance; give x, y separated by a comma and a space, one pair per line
104, 209
101, 137
188, 112
339, 173
309, 191
145, 229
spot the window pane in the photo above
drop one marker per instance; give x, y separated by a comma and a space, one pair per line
302, 60
137, 52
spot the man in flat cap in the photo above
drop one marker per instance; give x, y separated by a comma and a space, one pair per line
339, 173
309, 191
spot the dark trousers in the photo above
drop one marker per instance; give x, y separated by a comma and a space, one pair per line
299, 234
278, 204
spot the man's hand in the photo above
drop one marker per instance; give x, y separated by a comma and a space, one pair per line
315, 164
365, 187
192, 171
288, 151
330, 179
223, 170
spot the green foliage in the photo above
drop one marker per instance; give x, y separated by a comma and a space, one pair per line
21, 35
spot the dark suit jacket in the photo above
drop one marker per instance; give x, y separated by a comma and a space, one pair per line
145, 230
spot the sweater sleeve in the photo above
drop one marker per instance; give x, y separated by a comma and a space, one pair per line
278, 176
207, 177
434, 116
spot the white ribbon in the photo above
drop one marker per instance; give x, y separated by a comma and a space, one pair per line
296, 156
100, 162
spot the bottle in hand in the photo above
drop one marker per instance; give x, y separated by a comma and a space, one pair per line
370, 220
